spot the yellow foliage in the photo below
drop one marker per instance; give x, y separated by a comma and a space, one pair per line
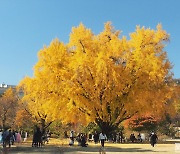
101, 77
8, 105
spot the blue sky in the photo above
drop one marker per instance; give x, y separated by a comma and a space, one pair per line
26, 26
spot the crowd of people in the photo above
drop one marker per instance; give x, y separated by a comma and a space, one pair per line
8, 137
83, 138
139, 138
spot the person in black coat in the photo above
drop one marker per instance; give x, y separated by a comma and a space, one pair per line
153, 139
37, 138
96, 137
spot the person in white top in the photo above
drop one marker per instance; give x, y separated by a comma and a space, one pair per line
102, 138
71, 138
1, 136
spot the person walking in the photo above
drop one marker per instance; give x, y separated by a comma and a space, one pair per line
102, 138
5, 135
18, 137
153, 139
1, 136
71, 136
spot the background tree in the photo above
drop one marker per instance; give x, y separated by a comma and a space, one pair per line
164, 123
145, 123
102, 78
42, 98
23, 120
175, 120
8, 105
177, 96
37, 104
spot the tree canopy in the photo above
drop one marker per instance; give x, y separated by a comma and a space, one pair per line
8, 105
103, 78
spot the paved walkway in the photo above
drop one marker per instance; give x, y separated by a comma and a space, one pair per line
94, 149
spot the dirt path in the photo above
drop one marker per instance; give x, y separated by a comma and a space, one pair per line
92, 149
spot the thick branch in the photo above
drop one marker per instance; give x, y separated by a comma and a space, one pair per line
81, 109
39, 115
126, 117
90, 73
82, 46
28, 112
80, 83
48, 124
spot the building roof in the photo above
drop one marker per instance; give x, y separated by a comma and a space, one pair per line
4, 87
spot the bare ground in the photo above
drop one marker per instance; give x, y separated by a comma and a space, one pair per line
26, 148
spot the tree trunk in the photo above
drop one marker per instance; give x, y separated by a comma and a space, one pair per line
44, 125
106, 127
4, 122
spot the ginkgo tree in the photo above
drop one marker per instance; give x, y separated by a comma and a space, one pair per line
102, 78
8, 108
40, 100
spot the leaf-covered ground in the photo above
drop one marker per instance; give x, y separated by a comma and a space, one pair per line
55, 147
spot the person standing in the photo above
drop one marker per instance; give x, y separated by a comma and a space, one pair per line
121, 136
5, 135
65, 134
102, 138
153, 139
1, 136
25, 136
83, 140
39, 137
96, 137
139, 138
18, 137
71, 136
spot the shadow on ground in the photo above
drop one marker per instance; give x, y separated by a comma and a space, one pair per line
50, 149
